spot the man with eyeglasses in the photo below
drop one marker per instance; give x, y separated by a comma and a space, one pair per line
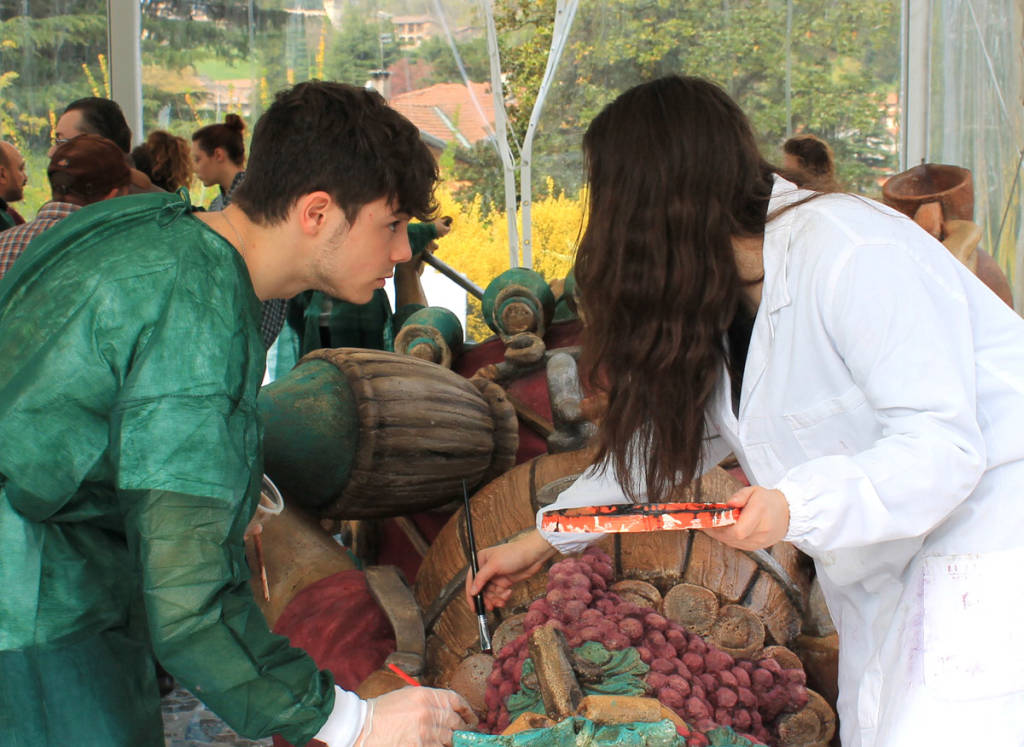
93, 116
103, 117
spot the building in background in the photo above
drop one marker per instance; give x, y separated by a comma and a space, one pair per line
411, 31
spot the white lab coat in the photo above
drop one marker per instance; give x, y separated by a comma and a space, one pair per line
883, 394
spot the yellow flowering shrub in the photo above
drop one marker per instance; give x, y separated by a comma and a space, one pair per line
478, 243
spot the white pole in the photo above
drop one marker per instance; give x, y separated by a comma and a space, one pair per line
501, 131
565, 12
124, 29
916, 75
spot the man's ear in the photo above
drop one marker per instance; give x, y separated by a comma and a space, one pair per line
313, 211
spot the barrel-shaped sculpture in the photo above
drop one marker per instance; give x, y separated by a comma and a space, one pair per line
517, 301
432, 333
351, 433
744, 607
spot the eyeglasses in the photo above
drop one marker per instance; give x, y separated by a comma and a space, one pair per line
59, 141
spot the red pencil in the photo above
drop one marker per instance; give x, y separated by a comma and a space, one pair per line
403, 675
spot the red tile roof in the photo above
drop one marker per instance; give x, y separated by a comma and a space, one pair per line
454, 102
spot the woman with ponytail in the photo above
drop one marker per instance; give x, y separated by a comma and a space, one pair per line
218, 155
869, 384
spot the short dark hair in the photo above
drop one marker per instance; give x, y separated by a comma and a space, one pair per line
87, 168
813, 153
103, 117
341, 139
226, 135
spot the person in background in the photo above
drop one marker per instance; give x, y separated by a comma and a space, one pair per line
870, 385
95, 116
84, 170
103, 117
808, 162
12, 185
132, 358
218, 157
166, 159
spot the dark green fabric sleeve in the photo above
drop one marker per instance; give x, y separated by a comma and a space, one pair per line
205, 628
421, 234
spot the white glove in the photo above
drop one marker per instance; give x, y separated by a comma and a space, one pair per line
415, 717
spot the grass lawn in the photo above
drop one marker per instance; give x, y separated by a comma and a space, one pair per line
215, 69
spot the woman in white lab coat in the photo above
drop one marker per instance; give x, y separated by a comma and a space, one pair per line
871, 387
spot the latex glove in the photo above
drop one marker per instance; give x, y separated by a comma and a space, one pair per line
414, 717
502, 566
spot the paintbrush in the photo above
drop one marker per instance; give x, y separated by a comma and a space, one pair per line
478, 599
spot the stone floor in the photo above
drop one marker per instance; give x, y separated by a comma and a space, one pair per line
188, 723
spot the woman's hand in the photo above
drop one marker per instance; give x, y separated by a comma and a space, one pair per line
763, 521
502, 566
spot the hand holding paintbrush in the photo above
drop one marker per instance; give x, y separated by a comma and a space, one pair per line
503, 566
478, 599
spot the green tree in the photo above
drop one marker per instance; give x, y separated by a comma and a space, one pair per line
438, 54
840, 61
364, 43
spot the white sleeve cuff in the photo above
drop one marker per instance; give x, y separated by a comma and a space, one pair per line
567, 543
345, 722
592, 488
801, 513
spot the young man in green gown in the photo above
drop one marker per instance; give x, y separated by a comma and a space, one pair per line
130, 455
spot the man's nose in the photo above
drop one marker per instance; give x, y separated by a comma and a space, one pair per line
402, 251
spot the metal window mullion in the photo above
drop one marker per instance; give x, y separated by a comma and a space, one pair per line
915, 79
124, 24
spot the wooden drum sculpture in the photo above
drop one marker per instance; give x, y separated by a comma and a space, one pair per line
670, 623
353, 434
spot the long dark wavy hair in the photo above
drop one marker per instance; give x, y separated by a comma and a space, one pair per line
674, 175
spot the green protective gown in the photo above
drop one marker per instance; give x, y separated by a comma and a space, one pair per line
130, 465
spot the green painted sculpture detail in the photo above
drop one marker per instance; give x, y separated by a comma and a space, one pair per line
622, 673
580, 732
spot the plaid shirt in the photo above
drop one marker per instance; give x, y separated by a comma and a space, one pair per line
274, 314
14, 240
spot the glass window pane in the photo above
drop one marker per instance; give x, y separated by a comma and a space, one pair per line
975, 116
826, 67
51, 53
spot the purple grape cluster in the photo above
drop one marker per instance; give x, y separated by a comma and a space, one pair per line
704, 685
